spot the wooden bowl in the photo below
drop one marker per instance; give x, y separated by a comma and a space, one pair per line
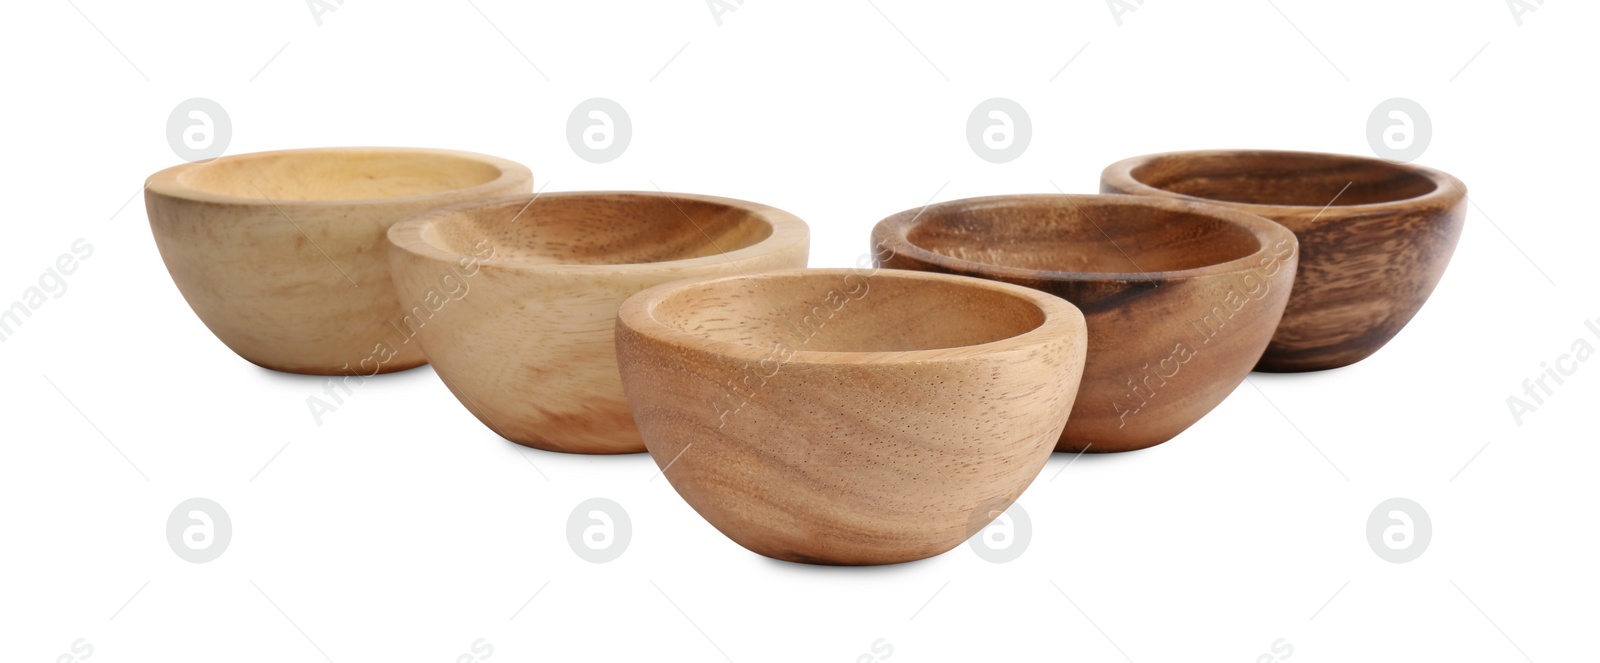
1180, 298
837, 416
528, 290
1376, 236
281, 254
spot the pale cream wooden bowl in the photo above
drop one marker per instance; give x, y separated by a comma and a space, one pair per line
527, 291
281, 254
837, 416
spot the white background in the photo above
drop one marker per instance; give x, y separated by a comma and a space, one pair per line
402, 529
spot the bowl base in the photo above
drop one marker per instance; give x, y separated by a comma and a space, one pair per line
393, 367
582, 448
1310, 364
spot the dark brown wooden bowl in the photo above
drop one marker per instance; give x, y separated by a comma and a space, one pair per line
1375, 237
1180, 298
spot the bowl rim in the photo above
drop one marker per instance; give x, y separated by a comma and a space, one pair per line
786, 230
893, 233
1446, 188
169, 181
1061, 318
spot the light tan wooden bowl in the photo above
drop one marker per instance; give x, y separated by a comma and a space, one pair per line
838, 416
528, 289
281, 254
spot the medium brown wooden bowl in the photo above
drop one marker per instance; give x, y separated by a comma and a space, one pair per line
1375, 235
1180, 298
837, 416
281, 254
514, 299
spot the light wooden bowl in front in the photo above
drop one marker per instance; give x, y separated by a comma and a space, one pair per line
1181, 298
838, 416
1375, 237
514, 299
281, 254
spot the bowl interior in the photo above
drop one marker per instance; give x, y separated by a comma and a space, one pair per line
1057, 234
843, 311
1279, 178
600, 229
338, 174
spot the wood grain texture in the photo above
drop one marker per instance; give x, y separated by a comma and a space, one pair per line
281, 254
1375, 236
514, 300
1180, 298
838, 416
